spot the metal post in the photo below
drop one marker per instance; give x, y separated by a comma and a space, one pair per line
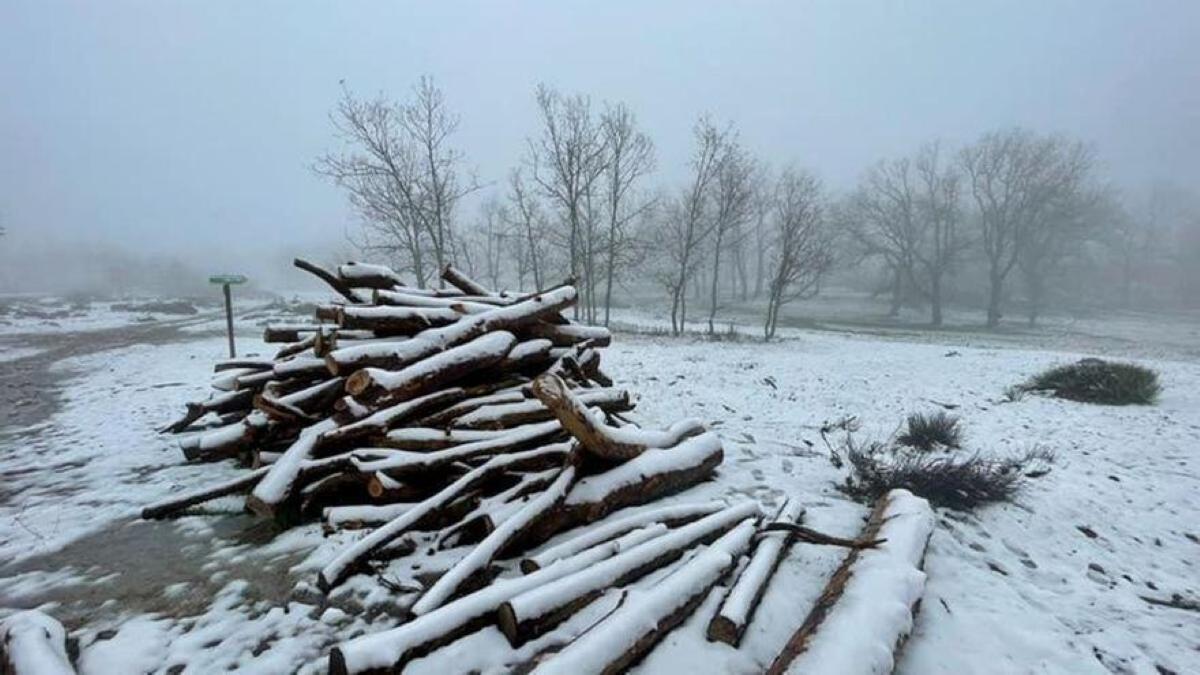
229, 320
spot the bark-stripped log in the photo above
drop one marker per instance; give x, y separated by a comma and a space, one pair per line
632, 630
32, 643
536, 611
866, 610
737, 610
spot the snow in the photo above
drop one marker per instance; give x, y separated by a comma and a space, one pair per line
35, 645
617, 634
274, 487
874, 613
762, 563
1009, 587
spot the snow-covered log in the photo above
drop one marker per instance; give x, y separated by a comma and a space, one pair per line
405, 298
508, 533
536, 611
400, 321
615, 526
866, 610
400, 463
343, 564
275, 487
646, 616
374, 384
390, 650
224, 442
366, 275
737, 610
453, 276
219, 404
525, 411
32, 643
324, 275
425, 438
606, 442
569, 334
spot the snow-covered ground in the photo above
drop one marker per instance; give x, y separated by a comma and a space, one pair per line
1054, 582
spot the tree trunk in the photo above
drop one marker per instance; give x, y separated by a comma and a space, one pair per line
995, 298
935, 298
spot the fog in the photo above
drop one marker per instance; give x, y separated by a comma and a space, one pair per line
156, 133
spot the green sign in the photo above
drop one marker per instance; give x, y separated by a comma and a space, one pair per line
227, 279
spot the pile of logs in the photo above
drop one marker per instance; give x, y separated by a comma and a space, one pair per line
480, 421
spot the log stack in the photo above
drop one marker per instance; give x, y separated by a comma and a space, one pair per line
478, 421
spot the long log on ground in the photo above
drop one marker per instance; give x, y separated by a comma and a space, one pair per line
509, 532
737, 610
619, 524
379, 422
389, 651
526, 411
538, 610
611, 443
357, 553
401, 463
172, 505
32, 643
373, 384
404, 321
632, 630
324, 275
366, 275
645, 478
249, 364
434, 340
867, 608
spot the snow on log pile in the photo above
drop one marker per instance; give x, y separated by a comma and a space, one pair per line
32, 643
480, 423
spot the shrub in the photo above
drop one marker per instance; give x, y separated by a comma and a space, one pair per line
927, 432
1099, 381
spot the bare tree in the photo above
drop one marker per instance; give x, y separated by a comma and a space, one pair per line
400, 174
687, 220
882, 218
1016, 179
528, 225
1059, 235
733, 204
630, 157
566, 161
802, 244
939, 209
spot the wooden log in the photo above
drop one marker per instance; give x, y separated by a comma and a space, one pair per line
538, 610
378, 423
527, 411
618, 525
603, 441
512, 530
32, 643
346, 561
248, 364
432, 341
866, 637
458, 304
737, 610
366, 275
400, 464
444, 417
632, 630
643, 479
395, 321
389, 651
277, 486
374, 384
462, 282
225, 442
219, 404
298, 346
425, 438
567, 335
321, 273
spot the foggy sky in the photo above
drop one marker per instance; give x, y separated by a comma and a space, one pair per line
178, 127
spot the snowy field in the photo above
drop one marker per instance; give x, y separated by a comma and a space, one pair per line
1056, 582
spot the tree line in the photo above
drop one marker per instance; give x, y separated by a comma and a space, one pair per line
1013, 209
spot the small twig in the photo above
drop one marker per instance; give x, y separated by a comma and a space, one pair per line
811, 536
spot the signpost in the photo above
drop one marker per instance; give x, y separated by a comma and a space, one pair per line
227, 280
